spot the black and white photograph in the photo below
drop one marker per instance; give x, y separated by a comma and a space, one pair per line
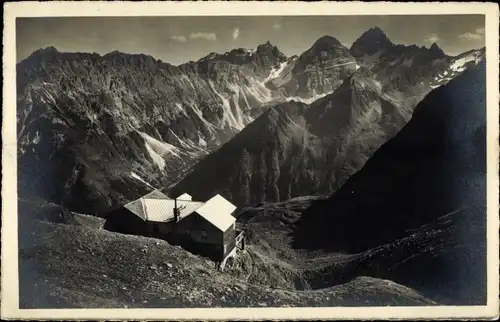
254, 159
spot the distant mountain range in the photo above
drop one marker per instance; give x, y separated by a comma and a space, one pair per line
96, 131
296, 148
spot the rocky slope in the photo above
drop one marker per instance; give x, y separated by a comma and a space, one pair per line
68, 262
432, 173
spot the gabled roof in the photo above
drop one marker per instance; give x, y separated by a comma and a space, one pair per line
137, 207
218, 211
184, 196
155, 194
162, 210
157, 207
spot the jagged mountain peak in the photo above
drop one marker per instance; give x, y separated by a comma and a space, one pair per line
266, 44
270, 48
325, 42
376, 31
49, 49
436, 49
434, 46
114, 52
265, 56
124, 54
42, 52
370, 42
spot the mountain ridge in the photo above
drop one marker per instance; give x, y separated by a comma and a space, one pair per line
149, 119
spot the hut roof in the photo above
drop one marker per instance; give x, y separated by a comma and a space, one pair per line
137, 206
218, 211
157, 207
162, 210
184, 196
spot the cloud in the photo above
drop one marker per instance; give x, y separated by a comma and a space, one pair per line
236, 33
178, 38
431, 38
210, 36
476, 35
277, 26
470, 36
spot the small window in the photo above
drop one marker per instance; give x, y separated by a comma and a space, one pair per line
225, 248
204, 234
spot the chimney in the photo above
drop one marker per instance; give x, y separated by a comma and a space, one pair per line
176, 211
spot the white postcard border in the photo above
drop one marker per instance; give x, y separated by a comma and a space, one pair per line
9, 277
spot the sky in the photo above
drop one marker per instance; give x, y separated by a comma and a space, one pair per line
179, 39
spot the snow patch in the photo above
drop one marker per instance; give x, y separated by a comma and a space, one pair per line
36, 138
136, 176
158, 149
160, 162
308, 100
202, 141
275, 72
459, 64
179, 107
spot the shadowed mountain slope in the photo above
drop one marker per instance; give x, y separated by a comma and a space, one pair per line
433, 172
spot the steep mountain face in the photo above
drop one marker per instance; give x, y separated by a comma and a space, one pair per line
259, 61
319, 70
295, 148
433, 172
92, 129
96, 131
408, 73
